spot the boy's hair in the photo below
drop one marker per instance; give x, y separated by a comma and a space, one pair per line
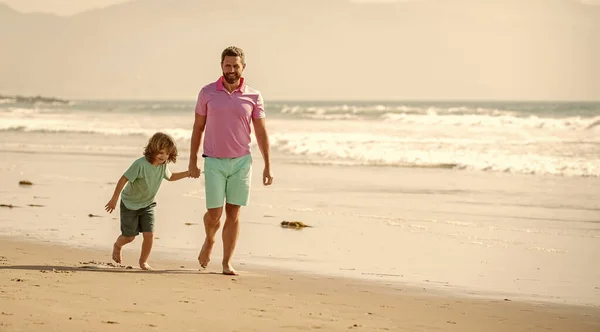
233, 51
160, 141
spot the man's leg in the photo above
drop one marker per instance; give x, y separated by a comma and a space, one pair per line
231, 230
212, 222
237, 195
214, 188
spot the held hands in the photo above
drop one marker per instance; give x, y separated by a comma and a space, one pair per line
111, 205
267, 176
193, 171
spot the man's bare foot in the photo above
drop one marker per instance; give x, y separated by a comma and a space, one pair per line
145, 266
229, 270
204, 256
116, 254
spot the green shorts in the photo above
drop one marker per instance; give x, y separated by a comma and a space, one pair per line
135, 221
227, 179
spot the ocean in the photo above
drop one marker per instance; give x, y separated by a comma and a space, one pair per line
536, 138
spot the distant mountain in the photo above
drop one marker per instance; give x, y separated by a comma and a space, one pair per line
33, 99
316, 49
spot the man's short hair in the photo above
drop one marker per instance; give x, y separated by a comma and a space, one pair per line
233, 51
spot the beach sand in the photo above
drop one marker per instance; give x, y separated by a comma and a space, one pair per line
57, 288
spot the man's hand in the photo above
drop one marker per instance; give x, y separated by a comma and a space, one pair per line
111, 205
267, 176
194, 170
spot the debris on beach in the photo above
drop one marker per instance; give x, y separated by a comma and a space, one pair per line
10, 206
25, 183
190, 223
294, 224
57, 271
36, 205
100, 265
93, 215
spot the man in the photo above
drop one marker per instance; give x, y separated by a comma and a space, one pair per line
224, 111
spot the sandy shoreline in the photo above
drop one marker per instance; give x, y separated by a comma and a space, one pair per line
471, 233
46, 287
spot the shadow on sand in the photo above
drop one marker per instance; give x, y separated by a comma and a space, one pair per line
95, 268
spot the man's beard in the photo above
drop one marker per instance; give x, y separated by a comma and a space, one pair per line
231, 78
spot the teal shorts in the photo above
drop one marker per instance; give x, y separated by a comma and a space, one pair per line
227, 179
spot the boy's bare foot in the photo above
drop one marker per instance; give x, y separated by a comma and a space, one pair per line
204, 256
116, 254
145, 266
229, 270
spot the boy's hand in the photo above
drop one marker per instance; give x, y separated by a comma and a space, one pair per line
111, 205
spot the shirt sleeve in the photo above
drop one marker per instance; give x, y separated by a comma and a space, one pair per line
133, 171
168, 173
259, 108
201, 107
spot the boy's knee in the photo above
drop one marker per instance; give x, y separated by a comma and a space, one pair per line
148, 235
129, 238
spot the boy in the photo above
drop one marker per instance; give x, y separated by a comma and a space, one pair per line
142, 181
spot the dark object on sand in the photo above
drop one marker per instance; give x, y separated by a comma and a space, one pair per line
293, 224
190, 223
10, 206
25, 183
36, 205
93, 215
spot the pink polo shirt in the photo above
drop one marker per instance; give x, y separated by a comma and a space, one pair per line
228, 117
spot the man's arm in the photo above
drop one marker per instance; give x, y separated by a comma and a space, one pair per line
262, 139
179, 176
199, 124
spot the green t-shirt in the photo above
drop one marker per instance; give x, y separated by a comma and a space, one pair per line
144, 179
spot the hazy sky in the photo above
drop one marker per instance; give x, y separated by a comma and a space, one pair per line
306, 49
60, 7
70, 7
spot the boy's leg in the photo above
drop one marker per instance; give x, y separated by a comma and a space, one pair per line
129, 230
121, 241
147, 228
146, 248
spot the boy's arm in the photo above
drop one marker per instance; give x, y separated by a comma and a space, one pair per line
112, 204
179, 176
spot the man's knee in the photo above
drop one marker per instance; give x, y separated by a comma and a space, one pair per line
214, 215
232, 212
148, 235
